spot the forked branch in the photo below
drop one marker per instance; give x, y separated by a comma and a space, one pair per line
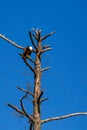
36, 31
63, 117
37, 34
11, 42
40, 97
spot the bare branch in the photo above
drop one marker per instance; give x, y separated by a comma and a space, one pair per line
47, 35
38, 100
44, 69
37, 37
16, 109
40, 97
23, 109
33, 43
21, 101
63, 117
31, 126
32, 60
43, 99
26, 91
36, 31
47, 49
47, 46
11, 42
37, 34
31, 68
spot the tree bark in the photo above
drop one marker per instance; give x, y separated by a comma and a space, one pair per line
37, 89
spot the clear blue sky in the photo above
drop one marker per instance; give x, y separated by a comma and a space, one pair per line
66, 83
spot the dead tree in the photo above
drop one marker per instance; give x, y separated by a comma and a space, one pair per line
35, 118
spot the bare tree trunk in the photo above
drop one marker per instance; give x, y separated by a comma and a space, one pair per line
37, 89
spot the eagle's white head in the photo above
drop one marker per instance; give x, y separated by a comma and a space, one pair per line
30, 48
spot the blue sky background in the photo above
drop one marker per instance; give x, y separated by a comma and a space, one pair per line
66, 83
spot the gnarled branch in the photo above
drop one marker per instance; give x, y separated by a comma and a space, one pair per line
11, 42
63, 117
23, 109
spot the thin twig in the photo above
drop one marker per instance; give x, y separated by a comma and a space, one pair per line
43, 99
47, 46
47, 49
47, 35
11, 42
31, 38
63, 117
26, 91
44, 69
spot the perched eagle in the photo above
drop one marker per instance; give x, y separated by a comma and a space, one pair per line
27, 52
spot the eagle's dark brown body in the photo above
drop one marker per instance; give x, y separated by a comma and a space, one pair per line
27, 52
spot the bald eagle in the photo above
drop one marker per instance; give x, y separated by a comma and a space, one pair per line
27, 52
